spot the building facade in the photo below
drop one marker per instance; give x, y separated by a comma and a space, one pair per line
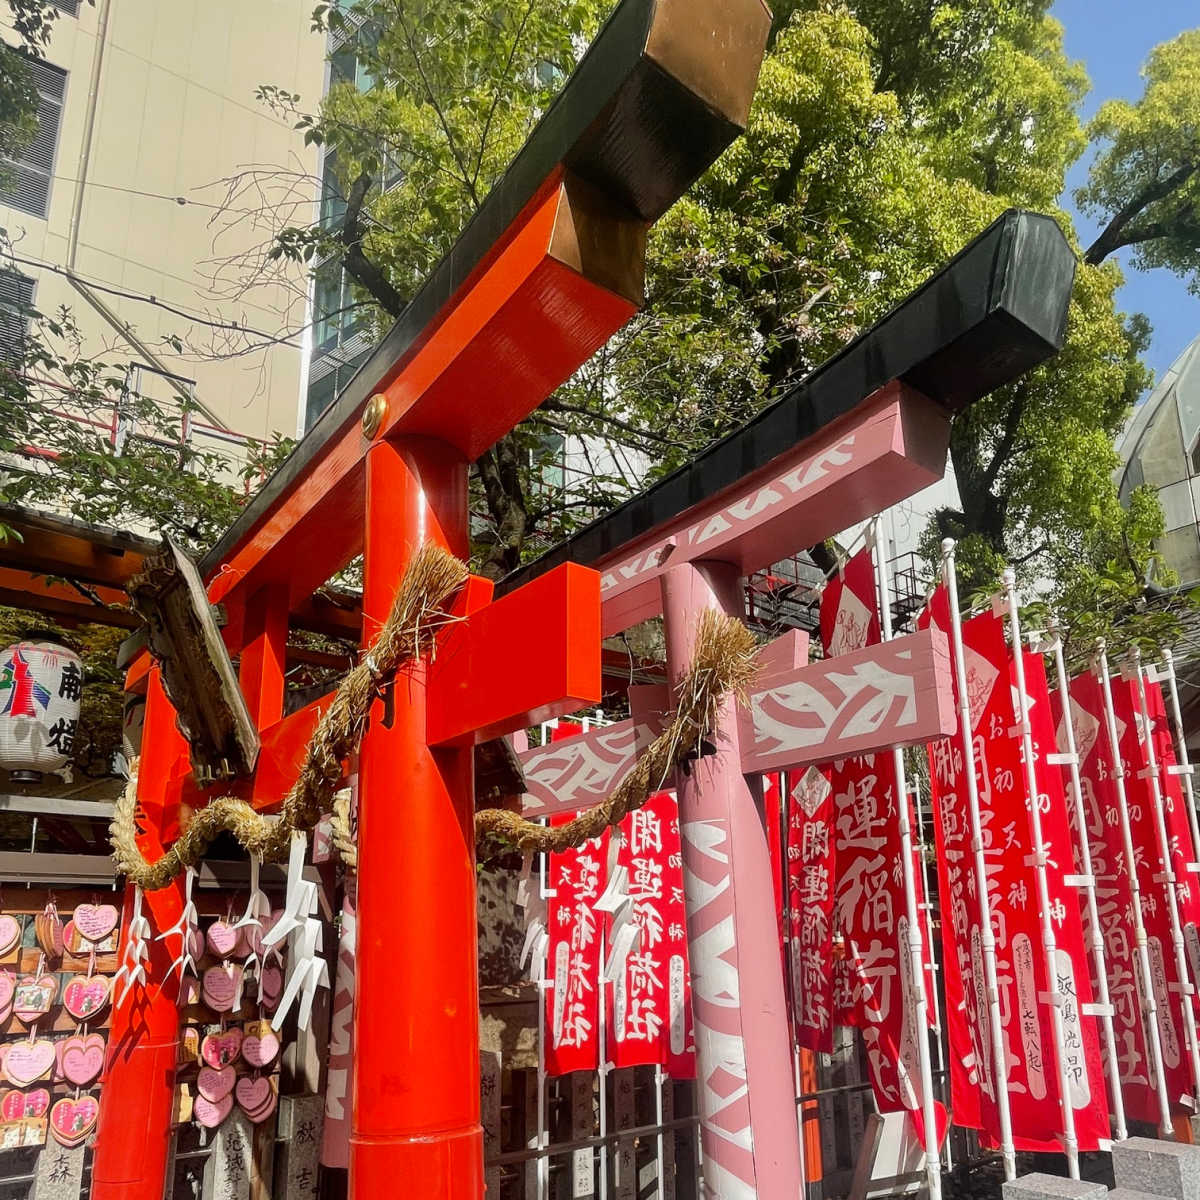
1161, 449
141, 205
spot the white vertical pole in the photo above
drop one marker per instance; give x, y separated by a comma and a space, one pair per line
915, 938
601, 1032
1184, 766
543, 1137
987, 937
1071, 755
1187, 989
1049, 945
934, 977
1146, 991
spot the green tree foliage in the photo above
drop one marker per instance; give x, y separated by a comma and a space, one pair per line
1145, 182
885, 134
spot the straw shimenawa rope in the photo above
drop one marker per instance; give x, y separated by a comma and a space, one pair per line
722, 664
420, 610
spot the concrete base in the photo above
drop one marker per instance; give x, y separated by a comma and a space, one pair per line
1052, 1187
1160, 1168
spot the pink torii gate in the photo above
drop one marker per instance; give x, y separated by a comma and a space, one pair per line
863, 432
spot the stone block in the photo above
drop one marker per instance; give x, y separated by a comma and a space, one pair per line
229, 1168
59, 1173
1160, 1168
1039, 1186
300, 1120
1124, 1193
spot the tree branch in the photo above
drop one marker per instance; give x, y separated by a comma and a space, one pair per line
1114, 234
358, 266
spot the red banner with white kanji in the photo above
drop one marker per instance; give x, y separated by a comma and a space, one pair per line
810, 886
1179, 829
649, 1007
1156, 915
1022, 980
1114, 899
873, 985
577, 880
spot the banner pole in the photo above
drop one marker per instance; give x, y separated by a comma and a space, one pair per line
1049, 945
1187, 989
1100, 964
987, 937
913, 935
934, 972
1184, 766
1146, 990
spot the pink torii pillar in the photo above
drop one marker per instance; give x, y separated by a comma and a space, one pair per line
743, 1052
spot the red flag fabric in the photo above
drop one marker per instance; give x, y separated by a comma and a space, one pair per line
577, 879
1084, 1067
1156, 916
811, 877
1179, 830
1114, 900
1021, 969
874, 988
649, 1007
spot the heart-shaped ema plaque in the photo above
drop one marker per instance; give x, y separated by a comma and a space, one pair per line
256, 1097
260, 1049
272, 986
84, 998
95, 921
34, 997
215, 1084
8, 987
48, 927
224, 941
10, 933
81, 1059
16, 1106
219, 987
222, 1049
27, 1062
211, 1115
73, 1121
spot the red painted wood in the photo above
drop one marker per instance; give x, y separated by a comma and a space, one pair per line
264, 654
139, 1078
487, 682
416, 1082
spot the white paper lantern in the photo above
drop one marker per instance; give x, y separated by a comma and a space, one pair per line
40, 687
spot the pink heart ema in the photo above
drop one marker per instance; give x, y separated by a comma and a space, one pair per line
72, 1120
10, 932
210, 1115
214, 1085
223, 940
26, 1062
221, 1049
96, 921
256, 1097
219, 987
83, 997
82, 1059
260, 1051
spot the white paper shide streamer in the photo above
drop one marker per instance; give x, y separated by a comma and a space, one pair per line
135, 953
307, 968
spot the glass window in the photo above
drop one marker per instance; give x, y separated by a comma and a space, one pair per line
28, 185
333, 202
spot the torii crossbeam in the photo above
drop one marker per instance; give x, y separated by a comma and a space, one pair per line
547, 271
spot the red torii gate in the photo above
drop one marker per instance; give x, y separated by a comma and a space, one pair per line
545, 273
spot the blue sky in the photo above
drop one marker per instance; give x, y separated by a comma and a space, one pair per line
1113, 38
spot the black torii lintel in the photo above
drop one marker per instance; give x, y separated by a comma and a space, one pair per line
997, 309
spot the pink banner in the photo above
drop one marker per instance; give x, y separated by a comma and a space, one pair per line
650, 1004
